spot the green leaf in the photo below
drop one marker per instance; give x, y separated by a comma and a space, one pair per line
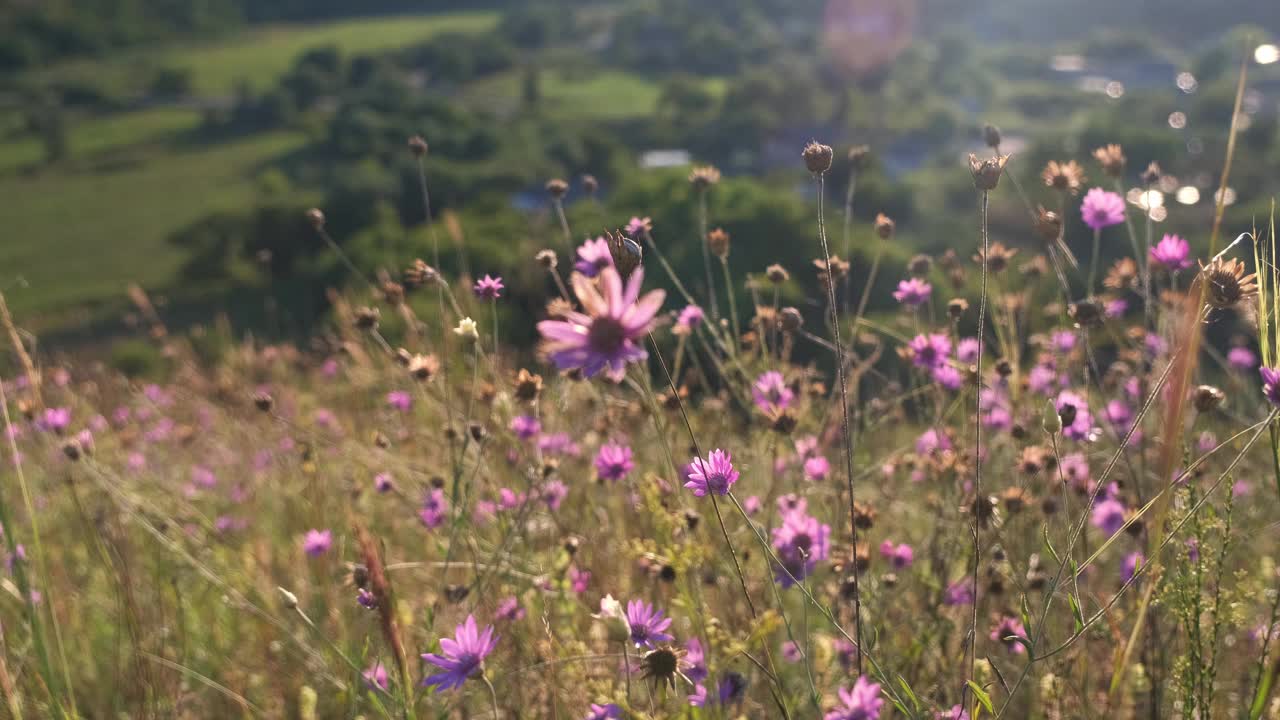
1075, 612
983, 698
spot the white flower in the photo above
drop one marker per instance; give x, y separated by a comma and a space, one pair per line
614, 618
467, 329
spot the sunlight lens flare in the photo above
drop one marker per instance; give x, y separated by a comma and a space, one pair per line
862, 36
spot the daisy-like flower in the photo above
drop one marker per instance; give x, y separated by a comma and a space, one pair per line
603, 337
861, 702
913, 292
715, 474
771, 393
525, 426
1172, 253
929, 351
690, 318
461, 656
948, 377
637, 226
488, 288
1006, 629
593, 256
317, 542
613, 462
648, 624
509, 610
1271, 384
1101, 209
957, 712
1132, 563
1068, 176
435, 507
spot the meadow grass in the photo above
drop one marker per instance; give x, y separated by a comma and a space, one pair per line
585, 94
93, 136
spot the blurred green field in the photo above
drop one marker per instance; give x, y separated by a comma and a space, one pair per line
99, 135
597, 95
80, 237
260, 56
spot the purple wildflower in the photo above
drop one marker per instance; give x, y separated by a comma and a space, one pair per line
553, 493
463, 654
638, 225
1129, 567
317, 542
948, 377
434, 508
913, 292
54, 419
1101, 209
593, 256
932, 441
959, 592
1081, 427
716, 474
613, 462
695, 658
1242, 358
509, 609
383, 483
800, 541
1271, 384
690, 317
957, 712
899, 556
929, 351
1172, 253
648, 624
488, 288
771, 393
967, 350
1108, 516
861, 702
525, 426
1006, 629
604, 712
816, 468
604, 335
366, 599
376, 676
400, 400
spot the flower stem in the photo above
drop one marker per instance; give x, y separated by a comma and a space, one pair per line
844, 415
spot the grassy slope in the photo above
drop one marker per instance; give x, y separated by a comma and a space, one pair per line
80, 237
78, 234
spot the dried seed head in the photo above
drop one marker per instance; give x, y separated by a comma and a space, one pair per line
718, 243
920, 265
557, 188
590, 184
662, 665
790, 319
1227, 283
72, 449
263, 401
783, 422
777, 274
817, 157
290, 600
997, 257
528, 386
837, 268
864, 516
316, 218
986, 173
417, 146
546, 259
884, 226
703, 177
1112, 160
367, 318
419, 274
991, 136
1208, 398
858, 156
392, 293
1048, 224
1086, 313
627, 253
1015, 499
957, 307
1152, 174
